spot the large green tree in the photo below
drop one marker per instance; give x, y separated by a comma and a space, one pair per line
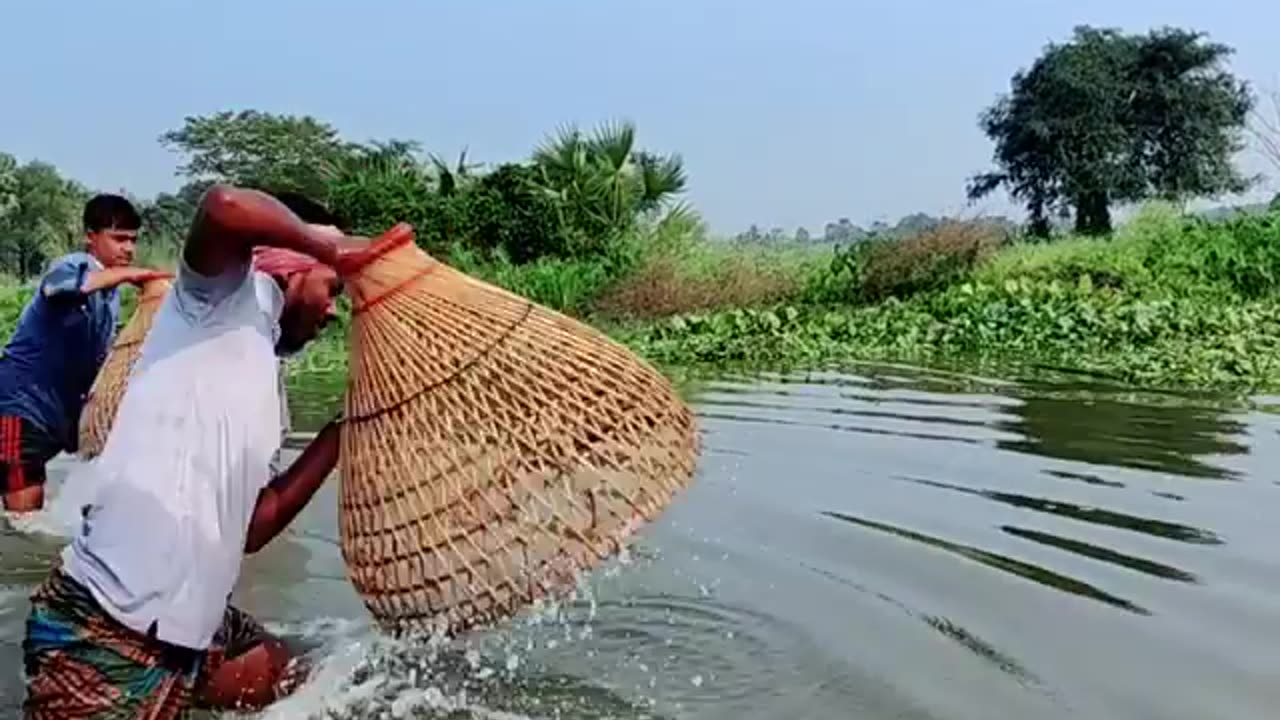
167, 217
574, 197
259, 149
40, 215
1111, 118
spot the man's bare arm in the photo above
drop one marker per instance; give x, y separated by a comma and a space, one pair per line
281, 500
72, 279
231, 221
26, 500
111, 277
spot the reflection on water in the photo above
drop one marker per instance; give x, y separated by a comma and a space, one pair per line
894, 543
999, 562
1151, 526
1089, 550
1169, 438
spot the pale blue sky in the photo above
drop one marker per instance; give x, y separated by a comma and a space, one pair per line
787, 113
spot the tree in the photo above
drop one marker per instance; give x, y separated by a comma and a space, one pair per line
750, 236
1266, 130
376, 187
167, 218
1109, 118
841, 232
259, 149
506, 212
42, 216
602, 183
8, 185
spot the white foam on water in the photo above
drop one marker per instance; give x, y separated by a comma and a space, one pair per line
348, 681
60, 516
359, 673
328, 690
48, 521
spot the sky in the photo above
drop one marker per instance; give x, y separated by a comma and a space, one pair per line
788, 113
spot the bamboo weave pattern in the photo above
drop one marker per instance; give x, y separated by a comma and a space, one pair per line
99, 412
493, 448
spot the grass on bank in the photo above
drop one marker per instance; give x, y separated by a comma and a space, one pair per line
1168, 301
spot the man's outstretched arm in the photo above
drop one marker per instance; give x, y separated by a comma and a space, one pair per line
70, 279
285, 496
231, 221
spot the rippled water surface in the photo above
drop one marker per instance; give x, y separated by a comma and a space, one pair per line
893, 544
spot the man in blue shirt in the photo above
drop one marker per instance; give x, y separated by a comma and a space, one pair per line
62, 339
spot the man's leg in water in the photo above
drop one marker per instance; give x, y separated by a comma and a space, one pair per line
246, 668
80, 663
25, 448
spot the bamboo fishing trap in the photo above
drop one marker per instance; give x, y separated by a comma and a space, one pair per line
108, 387
493, 448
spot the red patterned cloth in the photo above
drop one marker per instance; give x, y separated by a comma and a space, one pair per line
83, 665
282, 261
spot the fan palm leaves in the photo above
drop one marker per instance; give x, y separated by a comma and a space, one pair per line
602, 182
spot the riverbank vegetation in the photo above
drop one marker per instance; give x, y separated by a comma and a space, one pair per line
592, 223
1168, 300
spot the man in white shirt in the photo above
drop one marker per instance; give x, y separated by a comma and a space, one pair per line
136, 621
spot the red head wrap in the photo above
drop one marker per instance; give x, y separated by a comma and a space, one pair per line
282, 262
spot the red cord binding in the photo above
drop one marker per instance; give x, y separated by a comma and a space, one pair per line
398, 236
370, 302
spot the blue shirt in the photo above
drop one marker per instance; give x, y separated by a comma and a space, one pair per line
54, 355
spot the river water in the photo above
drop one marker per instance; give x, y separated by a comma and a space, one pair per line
893, 543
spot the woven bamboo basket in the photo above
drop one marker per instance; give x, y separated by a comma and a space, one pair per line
108, 387
493, 449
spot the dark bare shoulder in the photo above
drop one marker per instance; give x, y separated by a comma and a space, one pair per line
212, 244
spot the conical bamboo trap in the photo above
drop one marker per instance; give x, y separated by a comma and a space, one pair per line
108, 387
493, 449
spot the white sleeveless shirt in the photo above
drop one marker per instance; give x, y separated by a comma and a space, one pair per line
175, 485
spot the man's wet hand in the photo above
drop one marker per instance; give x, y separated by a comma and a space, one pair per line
351, 250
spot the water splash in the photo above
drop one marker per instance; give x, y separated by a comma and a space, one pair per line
501, 673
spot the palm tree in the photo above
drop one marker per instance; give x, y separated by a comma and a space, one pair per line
448, 179
602, 182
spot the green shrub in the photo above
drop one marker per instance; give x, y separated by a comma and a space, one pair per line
677, 270
1240, 255
1119, 261
504, 212
1160, 342
880, 268
499, 214
663, 287
1160, 253
567, 285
